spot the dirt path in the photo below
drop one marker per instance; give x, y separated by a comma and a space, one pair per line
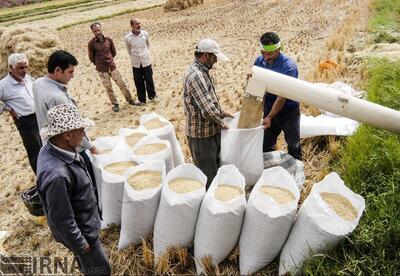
305, 27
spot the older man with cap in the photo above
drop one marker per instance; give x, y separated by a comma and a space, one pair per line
280, 114
66, 190
17, 97
204, 115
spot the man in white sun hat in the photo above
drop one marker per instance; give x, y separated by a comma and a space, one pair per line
204, 116
67, 192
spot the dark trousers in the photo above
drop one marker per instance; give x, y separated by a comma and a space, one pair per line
143, 78
205, 154
95, 262
290, 125
29, 131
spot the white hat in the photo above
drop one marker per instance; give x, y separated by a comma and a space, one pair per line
63, 118
210, 46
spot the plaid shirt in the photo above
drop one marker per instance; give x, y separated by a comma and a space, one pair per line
203, 113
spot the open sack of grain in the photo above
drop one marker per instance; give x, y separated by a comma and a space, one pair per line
285, 160
131, 136
114, 167
141, 198
104, 145
220, 218
269, 216
152, 148
243, 148
163, 129
181, 197
330, 212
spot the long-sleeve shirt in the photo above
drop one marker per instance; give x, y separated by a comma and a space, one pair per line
204, 116
17, 96
138, 48
102, 53
68, 198
47, 94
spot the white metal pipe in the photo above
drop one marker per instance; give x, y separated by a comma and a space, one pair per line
328, 99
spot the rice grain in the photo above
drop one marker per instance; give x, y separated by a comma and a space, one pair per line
154, 124
150, 149
226, 192
119, 167
280, 195
145, 180
183, 185
132, 139
341, 205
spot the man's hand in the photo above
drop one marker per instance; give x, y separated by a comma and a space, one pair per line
94, 150
13, 114
225, 126
249, 75
87, 248
267, 122
227, 114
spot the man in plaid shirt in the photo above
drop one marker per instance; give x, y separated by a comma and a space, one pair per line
204, 116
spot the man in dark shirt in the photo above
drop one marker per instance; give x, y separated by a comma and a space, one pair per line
67, 192
280, 114
102, 51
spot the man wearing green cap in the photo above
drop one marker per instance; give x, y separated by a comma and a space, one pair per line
280, 114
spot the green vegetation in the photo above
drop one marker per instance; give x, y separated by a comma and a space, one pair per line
385, 23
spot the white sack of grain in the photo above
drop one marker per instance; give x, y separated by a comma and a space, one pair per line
285, 160
139, 207
165, 131
104, 145
112, 185
177, 215
144, 151
268, 219
243, 148
219, 222
317, 225
131, 136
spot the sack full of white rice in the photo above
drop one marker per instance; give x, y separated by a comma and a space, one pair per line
163, 129
142, 192
181, 197
220, 218
330, 212
132, 136
152, 148
269, 216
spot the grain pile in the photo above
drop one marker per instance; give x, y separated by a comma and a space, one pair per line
132, 139
177, 5
227, 192
341, 205
119, 167
145, 180
150, 149
154, 124
36, 43
183, 185
104, 151
280, 195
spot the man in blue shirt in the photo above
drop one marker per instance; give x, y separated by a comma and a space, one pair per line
280, 114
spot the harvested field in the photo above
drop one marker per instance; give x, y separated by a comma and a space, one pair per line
308, 29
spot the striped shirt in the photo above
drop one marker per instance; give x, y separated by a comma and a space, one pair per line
204, 116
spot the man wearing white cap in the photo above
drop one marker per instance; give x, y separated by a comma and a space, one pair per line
67, 192
204, 116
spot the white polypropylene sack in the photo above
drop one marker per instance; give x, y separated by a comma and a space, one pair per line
326, 125
165, 133
285, 160
164, 154
243, 148
266, 223
124, 132
317, 226
111, 185
177, 214
219, 223
139, 208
